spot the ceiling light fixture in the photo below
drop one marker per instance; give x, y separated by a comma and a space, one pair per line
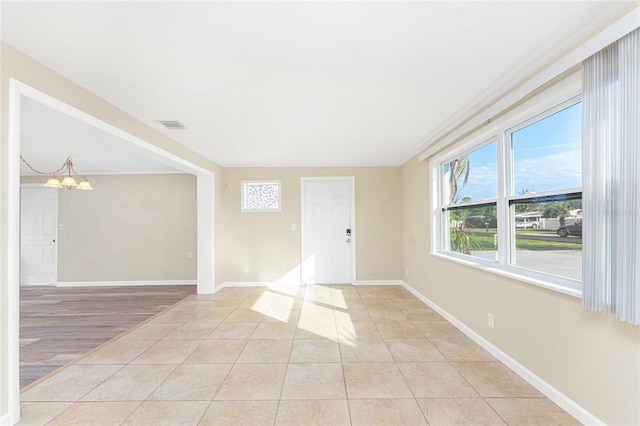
68, 174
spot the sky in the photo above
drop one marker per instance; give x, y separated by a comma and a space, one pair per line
547, 156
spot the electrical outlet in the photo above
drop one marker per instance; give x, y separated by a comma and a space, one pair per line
246, 270
406, 272
189, 254
491, 321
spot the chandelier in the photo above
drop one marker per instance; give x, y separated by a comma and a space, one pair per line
68, 175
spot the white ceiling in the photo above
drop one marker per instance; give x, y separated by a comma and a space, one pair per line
49, 136
300, 83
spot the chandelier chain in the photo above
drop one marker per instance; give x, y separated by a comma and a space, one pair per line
38, 171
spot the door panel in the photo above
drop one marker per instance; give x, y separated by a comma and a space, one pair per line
327, 214
38, 236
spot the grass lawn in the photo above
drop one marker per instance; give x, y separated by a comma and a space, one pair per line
482, 243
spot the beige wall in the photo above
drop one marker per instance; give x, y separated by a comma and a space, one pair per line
130, 228
591, 358
265, 243
16, 65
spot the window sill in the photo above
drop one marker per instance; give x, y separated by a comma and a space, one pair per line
561, 285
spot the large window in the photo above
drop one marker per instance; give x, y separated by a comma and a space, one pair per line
470, 191
514, 201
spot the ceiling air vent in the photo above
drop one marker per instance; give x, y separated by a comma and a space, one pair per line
172, 124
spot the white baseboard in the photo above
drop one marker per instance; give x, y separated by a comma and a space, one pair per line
8, 420
566, 403
379, 282
124, 283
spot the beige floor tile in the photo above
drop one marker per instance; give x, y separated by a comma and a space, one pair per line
193, 331
375, 380
398, 330
412, 304
193, 305
422, 315
233, 331
40, 413
365, 350
390, 412
408, 350
70, 384
216, 352
314, 412
174, 316
118, 352
314, 381
348, 304
384, 304
438, 329
168, 352
151, 331
314, 350
353, 316
212, 315
398, 292
274, 330
236, 413
169, 413
192, 382
494, 379
95, 413
317, 330
260, 351
244, 315
394, 314
348, 331
253, 382
283, 317
286, 315
436, 380
461, 349
132, 383
372, 292
225, 304
531, 411
459, 412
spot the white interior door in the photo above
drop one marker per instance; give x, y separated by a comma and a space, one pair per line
38, 236
328, 230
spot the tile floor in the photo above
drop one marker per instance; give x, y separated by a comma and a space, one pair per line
335, 355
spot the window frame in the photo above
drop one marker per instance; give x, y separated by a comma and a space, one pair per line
556, 98
243, 188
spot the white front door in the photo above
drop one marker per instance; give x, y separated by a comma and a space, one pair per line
38, 236
328, 230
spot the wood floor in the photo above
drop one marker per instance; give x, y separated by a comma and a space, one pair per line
58, 324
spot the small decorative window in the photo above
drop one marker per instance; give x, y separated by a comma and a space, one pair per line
260, 196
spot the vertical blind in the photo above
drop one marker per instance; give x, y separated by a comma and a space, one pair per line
611, 188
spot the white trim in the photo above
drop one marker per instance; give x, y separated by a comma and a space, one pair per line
379, 282
11, 386
124, 283
563, 401
205, 225
8, 420
442, 137
354, 231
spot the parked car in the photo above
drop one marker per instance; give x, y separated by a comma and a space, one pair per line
573, 229
527, 224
